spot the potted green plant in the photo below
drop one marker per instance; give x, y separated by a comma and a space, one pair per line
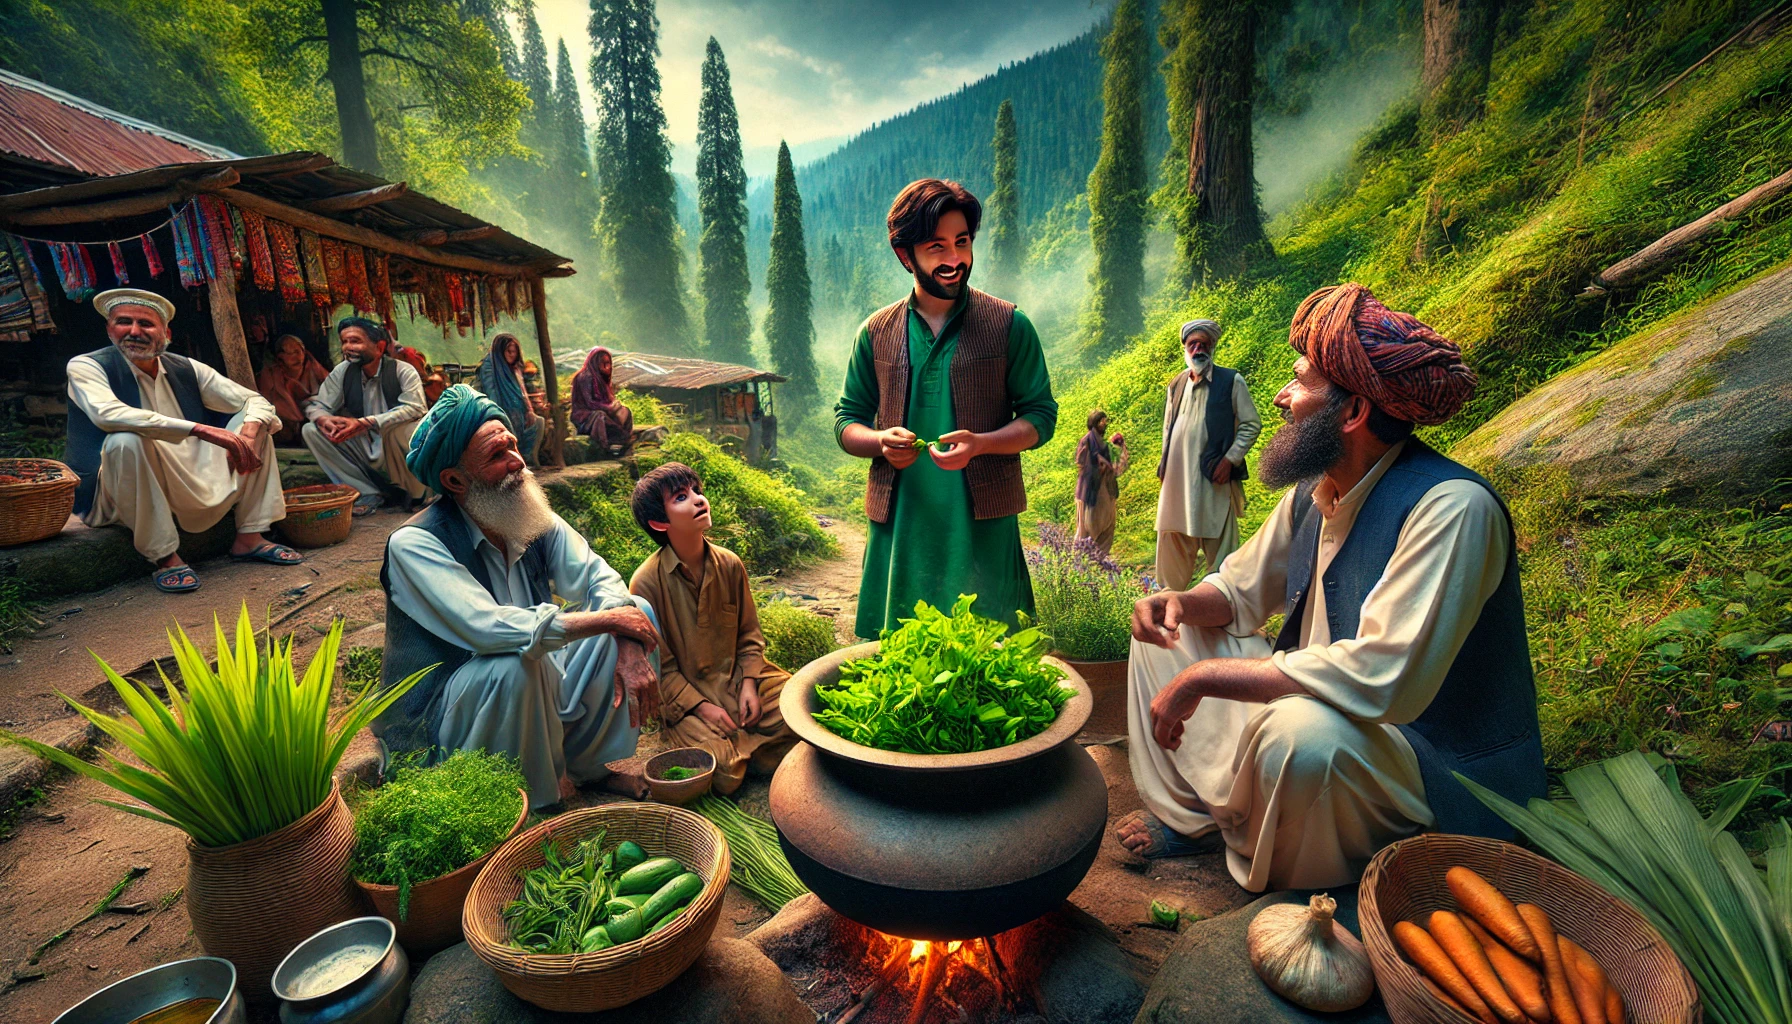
1084, 602
421, 838
242, 757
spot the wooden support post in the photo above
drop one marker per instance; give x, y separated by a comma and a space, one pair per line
554, 443
227, 324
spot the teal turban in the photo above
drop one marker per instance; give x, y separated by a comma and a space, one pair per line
445, 431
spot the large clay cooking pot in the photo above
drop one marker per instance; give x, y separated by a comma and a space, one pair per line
937, 846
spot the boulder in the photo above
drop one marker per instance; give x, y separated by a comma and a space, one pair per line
1695, 405
1208, 976
731, 983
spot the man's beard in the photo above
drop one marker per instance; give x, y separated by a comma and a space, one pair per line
1304, 449
938, 290
138, 348
358, 358
1197, 364
515, 508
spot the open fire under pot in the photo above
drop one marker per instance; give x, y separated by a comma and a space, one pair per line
939, 854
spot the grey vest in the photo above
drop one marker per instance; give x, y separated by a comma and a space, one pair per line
1221, 422
413, 722
85, 440
1483, 721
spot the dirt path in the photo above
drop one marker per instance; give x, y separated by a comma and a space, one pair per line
831, 587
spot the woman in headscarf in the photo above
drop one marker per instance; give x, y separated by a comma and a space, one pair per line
500, 377
596, 412
289, 378
1098, 482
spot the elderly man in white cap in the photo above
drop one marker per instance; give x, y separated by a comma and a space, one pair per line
159, 439
1210, 424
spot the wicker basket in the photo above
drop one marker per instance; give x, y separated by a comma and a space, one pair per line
432, 921
1405, 882
252, 902
319, 515
37, 504
608, 978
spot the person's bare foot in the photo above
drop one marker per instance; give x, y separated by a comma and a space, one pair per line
1144, 835
568, 788
632, 784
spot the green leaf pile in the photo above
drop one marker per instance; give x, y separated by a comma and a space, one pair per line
946, 684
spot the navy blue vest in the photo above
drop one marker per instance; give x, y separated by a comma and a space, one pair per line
82, 452
413, 722
1483, 721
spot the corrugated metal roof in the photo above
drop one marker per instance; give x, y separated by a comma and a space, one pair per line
46, 126
637, 370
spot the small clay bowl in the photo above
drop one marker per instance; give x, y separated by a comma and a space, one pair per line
681, 791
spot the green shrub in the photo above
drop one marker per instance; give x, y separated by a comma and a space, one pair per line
1084, 599
794, 635
362, 665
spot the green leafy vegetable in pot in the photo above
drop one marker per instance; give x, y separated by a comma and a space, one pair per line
946, 684
679, 773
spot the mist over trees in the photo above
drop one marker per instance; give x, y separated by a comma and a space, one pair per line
789, 331
722, 203
1119, 189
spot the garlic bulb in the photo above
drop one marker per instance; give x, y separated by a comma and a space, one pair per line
1309, 959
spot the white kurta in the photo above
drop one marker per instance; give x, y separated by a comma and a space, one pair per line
1189, 503
380, 449
526, 692
1306, 789
154, 473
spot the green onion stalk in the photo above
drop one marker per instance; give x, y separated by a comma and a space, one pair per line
759, 864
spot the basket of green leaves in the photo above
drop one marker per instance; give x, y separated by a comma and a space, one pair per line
421, 839
596, 908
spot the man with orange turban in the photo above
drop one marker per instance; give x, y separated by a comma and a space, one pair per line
1403, 657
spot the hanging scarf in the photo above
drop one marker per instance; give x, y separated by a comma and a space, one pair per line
30, 281
260, 257
17, 309
150, 255
287, 266
336, 271
239, 238
114, 250
355, 270
186, 251
317, 279
214, 223
380, 275
74, 271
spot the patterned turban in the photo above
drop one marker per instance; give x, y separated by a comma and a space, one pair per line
1211, 328
1403, 366
445, 431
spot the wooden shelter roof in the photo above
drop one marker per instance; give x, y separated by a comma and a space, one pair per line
636, 370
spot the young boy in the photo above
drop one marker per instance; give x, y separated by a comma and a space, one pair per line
717, 691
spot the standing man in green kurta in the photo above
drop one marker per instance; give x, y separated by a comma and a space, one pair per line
962, 369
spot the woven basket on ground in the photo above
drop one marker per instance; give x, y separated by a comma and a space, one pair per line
1405, 882
319, 515
432, 920
252, 902
36, 496
608, 978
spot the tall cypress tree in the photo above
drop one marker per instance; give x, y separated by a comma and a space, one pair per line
722, 204
637, 215
538, 125
789, 332
1118, 188
1007, 249
572, 158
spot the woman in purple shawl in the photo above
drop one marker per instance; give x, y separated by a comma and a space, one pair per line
1098, 482
595, 411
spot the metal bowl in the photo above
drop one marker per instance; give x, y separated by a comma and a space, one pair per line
377, 995
205, 977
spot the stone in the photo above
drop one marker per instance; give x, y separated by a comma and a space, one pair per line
21, 770
1694, 406
1208, 976
81, 559
732, 982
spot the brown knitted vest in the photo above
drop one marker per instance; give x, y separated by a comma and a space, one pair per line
980, 401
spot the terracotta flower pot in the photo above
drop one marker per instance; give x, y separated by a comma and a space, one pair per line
252, 902
432, 921
1107, 681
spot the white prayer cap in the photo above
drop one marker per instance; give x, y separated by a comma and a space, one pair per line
107, 300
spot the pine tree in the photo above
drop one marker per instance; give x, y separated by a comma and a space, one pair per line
789, 332
538, 130
1007, 249
637, 217
722, 204
577, 186
1119, 188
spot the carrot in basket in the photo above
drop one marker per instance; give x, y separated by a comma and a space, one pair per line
1471, 959
1614, 1004
1436, 965
1496, 913
1589, 992
1555, 973
1522, 981
1614, 1000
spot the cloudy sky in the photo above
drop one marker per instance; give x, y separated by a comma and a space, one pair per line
814, 72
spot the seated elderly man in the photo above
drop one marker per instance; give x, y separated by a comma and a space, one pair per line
1403, 659
159, 439
471, 586
363, 415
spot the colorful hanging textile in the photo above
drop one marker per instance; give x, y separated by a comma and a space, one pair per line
317, 279
114, 250
287, 268
379, 273
239, 239
360, 295
150, 255
74, 271
214, 223
336, 271
260, 257
31, 282
22, 309
186, 247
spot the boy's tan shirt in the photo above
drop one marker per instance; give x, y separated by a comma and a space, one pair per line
711, 632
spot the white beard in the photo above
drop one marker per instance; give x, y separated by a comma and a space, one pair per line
1197, 364
516, 509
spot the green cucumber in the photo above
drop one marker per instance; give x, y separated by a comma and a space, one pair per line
648, 876
671, 896
626, 927
595, 938
624, 904
664, 921
628, 855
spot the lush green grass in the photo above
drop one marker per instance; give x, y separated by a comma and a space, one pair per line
794, 635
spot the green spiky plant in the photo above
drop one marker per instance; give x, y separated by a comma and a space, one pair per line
236, 752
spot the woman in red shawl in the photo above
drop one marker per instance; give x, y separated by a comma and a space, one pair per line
289, 378
595, 411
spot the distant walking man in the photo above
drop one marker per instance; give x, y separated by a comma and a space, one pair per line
363, 416
1202, 467
964, 370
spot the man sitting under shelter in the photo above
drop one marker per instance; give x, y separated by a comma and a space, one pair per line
361, 425
471, 586
1404, 656
159, 439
